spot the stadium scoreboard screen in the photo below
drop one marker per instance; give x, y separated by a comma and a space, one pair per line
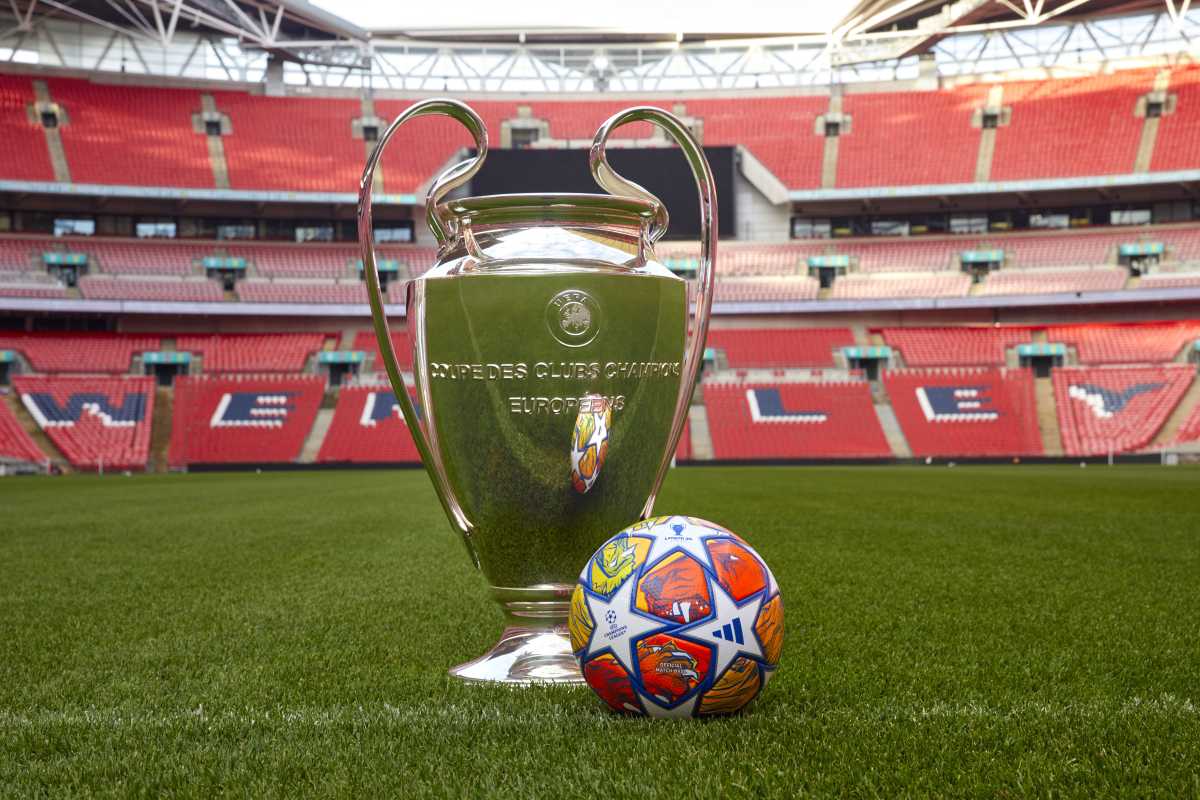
662, 171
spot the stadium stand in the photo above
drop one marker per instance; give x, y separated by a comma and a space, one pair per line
150, 126
244, 419
15, 443
779, 347
97, 423
951, 346
249, 352
1069, 127
966, 412
291, 143
765, 290
683, 452
1116, 409
1053, 281
87, 353
297, 291
1178, 144
24, 156
901, 285
1056, 128
1170, 280
105, 287
1125, 344
19, 286
793, 420
365, 341
884, 122
368, 428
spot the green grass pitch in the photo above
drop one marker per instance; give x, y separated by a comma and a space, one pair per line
996, 632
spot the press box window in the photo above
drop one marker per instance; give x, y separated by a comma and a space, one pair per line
212, 127
74, 227
235, 231
49, 119
401, 233
991, 119
1154, 109
314, 233
156, 229
370, 133
833, 128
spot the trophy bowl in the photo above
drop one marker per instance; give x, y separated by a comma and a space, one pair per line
554, 369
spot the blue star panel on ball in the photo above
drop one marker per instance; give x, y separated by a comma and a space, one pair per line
677, 617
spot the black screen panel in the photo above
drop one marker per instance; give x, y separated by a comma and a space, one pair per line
663, 171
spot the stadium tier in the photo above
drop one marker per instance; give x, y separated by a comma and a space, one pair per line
1126, 344
1094, 122
78, 353
951, 398
966, 412
793, 420
945, 347
1053, 281
247, 419
97, 423
1116, 409
1070, 262
248, 352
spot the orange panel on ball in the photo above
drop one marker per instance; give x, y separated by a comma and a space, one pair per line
671, 667
676, 590
737, 569
609, 679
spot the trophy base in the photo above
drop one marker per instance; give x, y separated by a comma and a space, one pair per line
535, 646
524, 656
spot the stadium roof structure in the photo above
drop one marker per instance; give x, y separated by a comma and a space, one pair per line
296, 43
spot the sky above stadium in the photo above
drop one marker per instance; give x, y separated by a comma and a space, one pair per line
635, 16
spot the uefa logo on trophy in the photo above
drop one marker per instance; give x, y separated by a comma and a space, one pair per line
552, 361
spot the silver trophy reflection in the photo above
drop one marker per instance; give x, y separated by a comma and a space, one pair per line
553, 365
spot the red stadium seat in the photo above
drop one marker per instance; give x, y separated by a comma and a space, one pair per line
955, 346
251, 352
150, 126
1126, 344
15, 443
401, 344
245, 419
779, 347
89, 353
966, 412
1052, 281
368, 428
1116, 409
793, 421
97, 423
24, 156
160, 288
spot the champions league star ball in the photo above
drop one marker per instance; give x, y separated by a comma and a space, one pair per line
589, 444
676, 617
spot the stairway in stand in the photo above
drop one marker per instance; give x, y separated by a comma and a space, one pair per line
1047, 413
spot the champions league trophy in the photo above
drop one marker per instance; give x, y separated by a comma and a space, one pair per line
553, 370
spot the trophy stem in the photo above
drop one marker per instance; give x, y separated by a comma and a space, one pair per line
535, 646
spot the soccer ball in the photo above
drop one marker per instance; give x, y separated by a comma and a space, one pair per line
676, 617
589, 447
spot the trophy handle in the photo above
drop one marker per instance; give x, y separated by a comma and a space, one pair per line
613, 183
442, 223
